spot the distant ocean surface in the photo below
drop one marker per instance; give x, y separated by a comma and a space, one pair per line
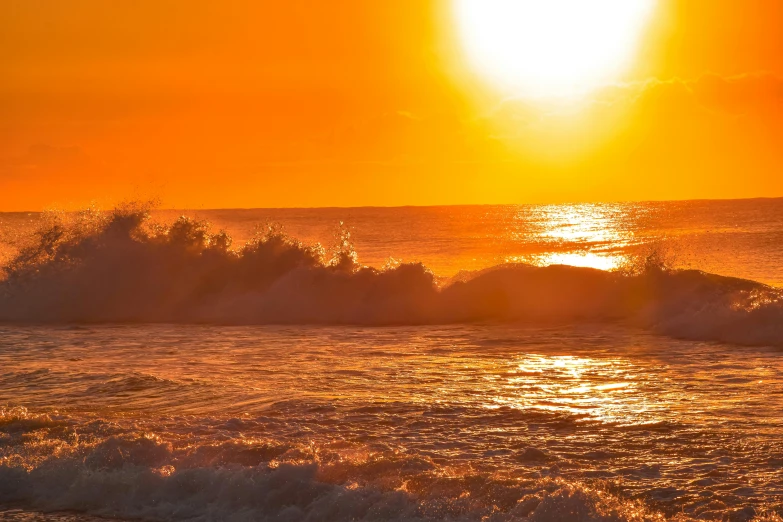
421, 364
740, 238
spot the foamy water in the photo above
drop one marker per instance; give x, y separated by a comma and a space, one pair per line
455, 423
519, 392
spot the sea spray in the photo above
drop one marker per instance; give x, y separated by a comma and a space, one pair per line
99, 267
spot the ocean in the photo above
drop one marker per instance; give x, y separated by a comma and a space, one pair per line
597, 362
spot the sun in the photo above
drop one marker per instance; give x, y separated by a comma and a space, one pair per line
551, 47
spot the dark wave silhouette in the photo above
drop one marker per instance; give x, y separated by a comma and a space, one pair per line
119, 267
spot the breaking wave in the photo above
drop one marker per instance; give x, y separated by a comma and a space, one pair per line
288, 492
99, 267
60, 464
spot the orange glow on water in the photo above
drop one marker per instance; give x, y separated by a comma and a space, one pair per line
588, 260
414, 348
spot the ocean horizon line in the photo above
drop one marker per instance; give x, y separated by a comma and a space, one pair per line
117, 204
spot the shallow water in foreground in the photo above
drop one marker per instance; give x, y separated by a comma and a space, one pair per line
461, 422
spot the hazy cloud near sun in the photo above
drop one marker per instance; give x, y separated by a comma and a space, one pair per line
748, 94
754, 97
740, 94
725, 108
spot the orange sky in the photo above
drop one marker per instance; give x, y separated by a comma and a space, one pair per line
350, 102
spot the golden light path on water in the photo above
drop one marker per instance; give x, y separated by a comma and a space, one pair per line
733, 238
596, 390
600, 233
440, 413
585, 260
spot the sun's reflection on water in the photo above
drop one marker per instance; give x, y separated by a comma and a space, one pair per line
586, 260
585, 235
606, 262
603, 390
583, 223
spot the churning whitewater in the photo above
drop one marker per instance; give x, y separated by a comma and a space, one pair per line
434, 423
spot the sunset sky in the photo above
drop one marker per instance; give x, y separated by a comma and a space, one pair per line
207, 104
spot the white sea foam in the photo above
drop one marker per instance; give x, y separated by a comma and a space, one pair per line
140, 475
454, 422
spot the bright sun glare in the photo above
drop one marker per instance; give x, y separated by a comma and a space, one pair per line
551, 47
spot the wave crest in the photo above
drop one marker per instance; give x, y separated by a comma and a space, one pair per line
119, 267
141, 475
